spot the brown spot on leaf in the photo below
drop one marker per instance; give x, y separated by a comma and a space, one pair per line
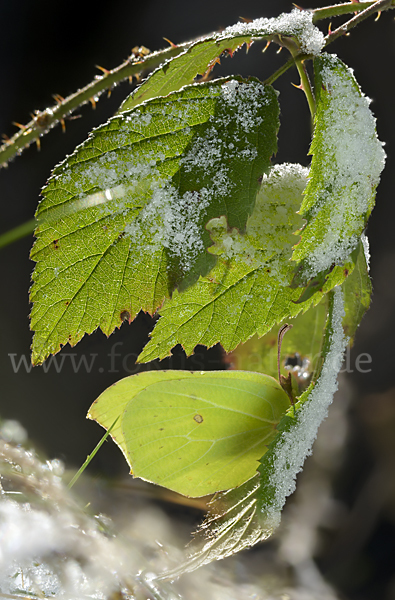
55, 244
125, 315
198, 418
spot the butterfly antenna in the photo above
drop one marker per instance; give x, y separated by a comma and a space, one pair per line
285, 382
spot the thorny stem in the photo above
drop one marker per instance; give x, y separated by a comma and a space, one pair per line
364, 9
290, 62
43, 121
378, 6
343, 9
306, 86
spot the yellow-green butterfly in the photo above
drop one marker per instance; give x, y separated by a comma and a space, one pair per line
193, 432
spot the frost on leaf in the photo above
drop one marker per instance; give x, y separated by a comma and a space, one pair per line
246, 515
297, 24
122, 219
201, 56
345, 171
248, 291
181, 70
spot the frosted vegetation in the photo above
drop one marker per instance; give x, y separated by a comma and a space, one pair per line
176, 207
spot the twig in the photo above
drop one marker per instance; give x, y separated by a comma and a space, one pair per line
43, 121
378, 6
338, 10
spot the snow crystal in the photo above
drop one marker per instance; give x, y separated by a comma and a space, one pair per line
295, 445
365, 244
297, 24
174, 221
243, 99
351, 159
171, 221
136, 180
270, 229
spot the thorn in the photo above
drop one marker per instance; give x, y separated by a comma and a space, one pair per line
23, 127
330, 28
266, 47
38, 144
59, 99
171, 43
298, 87
297, 6
137, 77
93, 102
378, 16
63, 124
246, 20
228, 52
210, 68
109, 92
105, 71
130, 79
5, 138
279, 50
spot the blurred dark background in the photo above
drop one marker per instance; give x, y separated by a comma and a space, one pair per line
52, 48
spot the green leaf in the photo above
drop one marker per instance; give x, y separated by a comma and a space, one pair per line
345, 170
357, 290
248, 290
233, 523
193, 432
174, 74
123, 219
249, 514
201, 56
304, 340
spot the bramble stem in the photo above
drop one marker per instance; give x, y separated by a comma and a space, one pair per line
43, 121
364, 9
305, 84
290, 62
343, 9
378, 6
